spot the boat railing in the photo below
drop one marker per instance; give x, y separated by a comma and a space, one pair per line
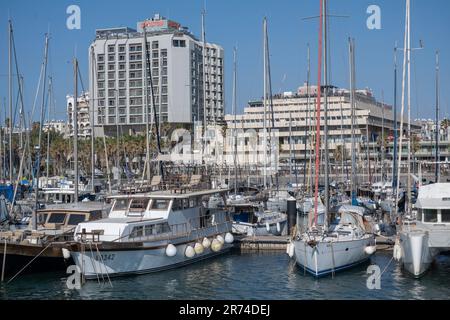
185, 229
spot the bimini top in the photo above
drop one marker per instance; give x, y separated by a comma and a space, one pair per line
170, 194
434, 196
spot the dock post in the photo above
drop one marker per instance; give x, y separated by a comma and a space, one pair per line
291, 213
4, 262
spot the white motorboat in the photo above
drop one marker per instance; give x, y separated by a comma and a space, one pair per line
152, 232
429, 235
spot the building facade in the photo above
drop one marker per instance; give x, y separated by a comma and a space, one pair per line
180, 80
294, 120
84, 116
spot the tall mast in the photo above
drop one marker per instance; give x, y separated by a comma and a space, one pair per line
405, 49
409, 107
382, 137
50, 98
265, 103
10, 101
319, 91
354, 180
437, 171
91, 104
325, 72
394, 165
75, 128
235, 119
38, 151
146, 97
204, 78
308, 76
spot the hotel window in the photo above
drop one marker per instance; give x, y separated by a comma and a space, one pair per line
111, 103
111, 57
101, 67
122, 119
155, 54
121, 48
121, 57
111, 83
111, 49
101, 76
100, 58
101, 85
122, 66
155, 45
122, 84
111, 75
101, 103
111, 119
122, 75
164, 53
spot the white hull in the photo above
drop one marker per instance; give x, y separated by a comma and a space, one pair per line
417, 255
327, 257
115, 263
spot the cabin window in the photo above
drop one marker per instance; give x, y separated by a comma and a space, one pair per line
445, 215
150, 230
139, 205
193, 202
57, 218
430, 215
176, 205
95, 215
185, 203
137, 232
160, 204
75, 219
162, 228
121, 204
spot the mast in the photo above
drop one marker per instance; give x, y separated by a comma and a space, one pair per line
204, 82
405, 49
409, 107
235, 119
394, 165
265, 104
91, 104
10, 101
146, 97
75, 128
319, 91
382, 137
354, 180
50, 96
325, 72
437, 171
38, 151
308, 76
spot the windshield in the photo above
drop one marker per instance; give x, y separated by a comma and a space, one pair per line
160, 204
121, 204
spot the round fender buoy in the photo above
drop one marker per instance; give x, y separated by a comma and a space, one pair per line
189, 252
220, 239
278, 227
171, 250
291, 250
370, 250
66, 253
229, 238
216, 245
198, 248
267, 227
206, 243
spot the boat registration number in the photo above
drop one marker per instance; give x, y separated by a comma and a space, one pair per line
105, 257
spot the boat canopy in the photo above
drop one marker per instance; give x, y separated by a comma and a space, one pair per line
434, 196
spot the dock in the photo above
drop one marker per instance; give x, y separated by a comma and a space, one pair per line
279, 243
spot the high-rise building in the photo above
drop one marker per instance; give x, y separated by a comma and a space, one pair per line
83, 116
175, 69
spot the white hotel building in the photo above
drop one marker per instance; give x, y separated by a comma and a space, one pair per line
117, 76
296, 113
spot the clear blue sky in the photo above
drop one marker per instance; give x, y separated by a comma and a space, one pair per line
237, 22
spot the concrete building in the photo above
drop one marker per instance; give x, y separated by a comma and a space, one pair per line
84, 116
297, 111
59, 126
117, 77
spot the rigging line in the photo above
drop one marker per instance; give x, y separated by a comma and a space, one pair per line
81, 79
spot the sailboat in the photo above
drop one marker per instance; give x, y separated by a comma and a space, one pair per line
326, 248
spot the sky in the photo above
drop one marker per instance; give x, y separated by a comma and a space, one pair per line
238, 23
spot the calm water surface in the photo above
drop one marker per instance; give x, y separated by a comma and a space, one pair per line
244, 276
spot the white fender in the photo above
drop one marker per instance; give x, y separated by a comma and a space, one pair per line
198, 248
291, 249
397, 251
206, 243
171, 250
189, 252
370, 250
216, 245
229, 238
278, 227
66, 253
220, 239
267, 227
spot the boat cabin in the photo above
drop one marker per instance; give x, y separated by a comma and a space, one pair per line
143, 216
433, 204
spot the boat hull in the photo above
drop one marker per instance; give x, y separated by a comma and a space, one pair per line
324, 258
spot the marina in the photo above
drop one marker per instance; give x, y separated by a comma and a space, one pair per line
151, 189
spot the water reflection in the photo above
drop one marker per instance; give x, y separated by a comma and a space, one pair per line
269, 275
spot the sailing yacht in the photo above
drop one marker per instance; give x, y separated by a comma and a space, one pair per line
340, 242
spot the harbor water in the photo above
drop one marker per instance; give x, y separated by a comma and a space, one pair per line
247, 276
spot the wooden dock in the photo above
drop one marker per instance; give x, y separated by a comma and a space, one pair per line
279, 243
